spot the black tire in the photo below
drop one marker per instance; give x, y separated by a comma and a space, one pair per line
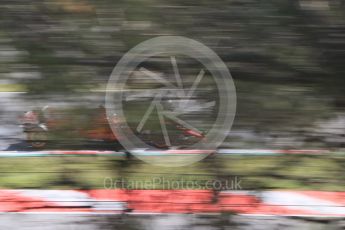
37, 138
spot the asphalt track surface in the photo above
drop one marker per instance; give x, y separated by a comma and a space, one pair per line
22, 221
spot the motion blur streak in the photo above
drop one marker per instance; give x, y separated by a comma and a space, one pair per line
286, 59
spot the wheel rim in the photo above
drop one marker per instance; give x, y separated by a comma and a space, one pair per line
37, 139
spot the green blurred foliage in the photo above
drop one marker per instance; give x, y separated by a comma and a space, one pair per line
286, 56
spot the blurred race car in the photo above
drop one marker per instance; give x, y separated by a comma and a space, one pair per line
77, 125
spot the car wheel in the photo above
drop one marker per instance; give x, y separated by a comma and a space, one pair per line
37, 138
